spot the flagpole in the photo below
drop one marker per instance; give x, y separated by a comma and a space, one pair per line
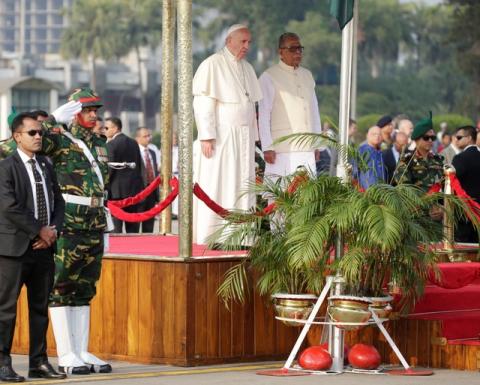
336, 335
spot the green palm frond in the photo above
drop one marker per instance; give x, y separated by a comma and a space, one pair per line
234, 285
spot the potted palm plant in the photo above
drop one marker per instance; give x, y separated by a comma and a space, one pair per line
386, 231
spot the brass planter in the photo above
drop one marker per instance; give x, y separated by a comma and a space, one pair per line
294, 306
349, 309
381, 306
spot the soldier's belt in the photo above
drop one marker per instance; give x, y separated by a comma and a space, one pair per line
84, 201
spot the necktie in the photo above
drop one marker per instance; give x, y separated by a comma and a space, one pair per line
149, 167
41, 202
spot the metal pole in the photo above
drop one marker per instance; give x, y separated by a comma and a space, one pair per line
185, 125
447, 223
166, 109
353, 91
336, 334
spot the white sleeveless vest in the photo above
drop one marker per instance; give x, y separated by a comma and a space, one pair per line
291, 111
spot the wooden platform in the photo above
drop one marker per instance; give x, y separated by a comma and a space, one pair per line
165, 310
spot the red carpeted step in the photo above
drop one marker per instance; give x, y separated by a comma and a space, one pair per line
159, 245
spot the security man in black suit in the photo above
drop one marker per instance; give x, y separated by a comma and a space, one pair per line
467, 166
149, 167
31, 214
392, 154
125, 182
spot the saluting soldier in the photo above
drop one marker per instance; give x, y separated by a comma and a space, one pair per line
422, 167
80, 160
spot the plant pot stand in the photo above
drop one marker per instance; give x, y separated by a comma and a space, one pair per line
289, 370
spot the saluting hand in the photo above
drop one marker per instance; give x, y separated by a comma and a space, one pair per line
66, 112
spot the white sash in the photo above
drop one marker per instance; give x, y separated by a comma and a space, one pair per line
94, 164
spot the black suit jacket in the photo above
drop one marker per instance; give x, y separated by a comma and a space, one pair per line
126, 182
390, 163
18, 226
155, 194
467, 166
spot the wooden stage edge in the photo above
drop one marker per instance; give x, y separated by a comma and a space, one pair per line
164, 310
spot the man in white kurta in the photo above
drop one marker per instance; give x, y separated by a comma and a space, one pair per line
225, 89
289, 106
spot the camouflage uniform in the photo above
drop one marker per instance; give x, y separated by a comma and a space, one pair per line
419, 171
80, 246
7, 148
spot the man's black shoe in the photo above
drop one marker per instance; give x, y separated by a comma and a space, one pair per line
45, 371
7, 374
107, 368
75, 370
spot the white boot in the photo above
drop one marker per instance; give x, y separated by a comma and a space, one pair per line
81, 316
68, 361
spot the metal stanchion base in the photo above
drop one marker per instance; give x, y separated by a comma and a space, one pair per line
283, 372
409, 372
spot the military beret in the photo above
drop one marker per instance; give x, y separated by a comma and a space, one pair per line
12, 116
422, 127
86, 96
384, 120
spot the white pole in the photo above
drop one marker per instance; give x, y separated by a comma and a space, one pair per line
336, 334
353, 92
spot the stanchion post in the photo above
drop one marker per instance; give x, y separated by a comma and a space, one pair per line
185, 127
448, 230
166, 107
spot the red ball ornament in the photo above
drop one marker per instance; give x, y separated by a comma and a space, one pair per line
363, 356
315, 358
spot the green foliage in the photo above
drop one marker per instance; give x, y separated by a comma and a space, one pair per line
367, 121
387, 232
453, 121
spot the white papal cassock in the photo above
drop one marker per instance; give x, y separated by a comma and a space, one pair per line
289, 106
225, 91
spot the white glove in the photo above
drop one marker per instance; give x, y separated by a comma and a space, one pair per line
66, 112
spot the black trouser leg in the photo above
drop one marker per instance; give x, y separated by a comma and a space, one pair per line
38, 270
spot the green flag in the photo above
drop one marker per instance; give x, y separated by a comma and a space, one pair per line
342, 10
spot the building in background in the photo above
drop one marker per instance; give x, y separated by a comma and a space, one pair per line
30, 38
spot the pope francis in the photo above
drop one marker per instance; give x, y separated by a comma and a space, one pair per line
225, 90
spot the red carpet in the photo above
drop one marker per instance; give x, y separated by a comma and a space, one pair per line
455, 300
159, 245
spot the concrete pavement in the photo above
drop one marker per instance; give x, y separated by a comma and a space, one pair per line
238, 374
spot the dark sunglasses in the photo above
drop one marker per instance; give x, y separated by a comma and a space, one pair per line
294, 48
33, 132
429, 137
460, 137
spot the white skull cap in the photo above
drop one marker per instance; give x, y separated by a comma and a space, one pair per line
235, 27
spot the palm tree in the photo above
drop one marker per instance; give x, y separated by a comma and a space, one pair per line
93, 33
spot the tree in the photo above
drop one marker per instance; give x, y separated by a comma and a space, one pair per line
92, 34
267, 20
142, 25
383, 27
465, 35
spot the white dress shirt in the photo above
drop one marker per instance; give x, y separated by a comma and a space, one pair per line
25, 158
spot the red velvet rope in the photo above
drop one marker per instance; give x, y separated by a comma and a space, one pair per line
435, 188
117, 211
458, 189
215, 207
139, 197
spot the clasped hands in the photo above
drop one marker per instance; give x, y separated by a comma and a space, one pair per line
46, 238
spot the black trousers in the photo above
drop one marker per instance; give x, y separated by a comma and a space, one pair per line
130, 227
147, 204
35, 269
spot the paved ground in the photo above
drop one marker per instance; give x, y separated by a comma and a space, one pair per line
244, 374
